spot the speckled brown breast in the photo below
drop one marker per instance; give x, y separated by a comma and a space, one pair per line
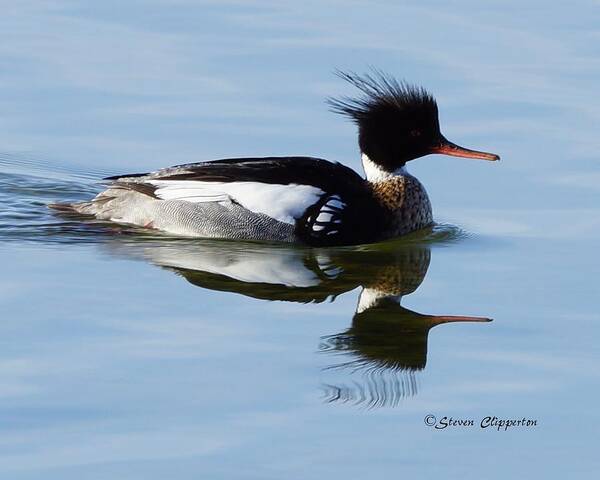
407, 202
404, 274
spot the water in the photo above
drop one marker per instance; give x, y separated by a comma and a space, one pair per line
134, 355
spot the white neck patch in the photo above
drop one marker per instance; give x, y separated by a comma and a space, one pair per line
370, 297
375, 173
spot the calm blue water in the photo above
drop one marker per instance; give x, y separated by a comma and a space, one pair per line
128, 355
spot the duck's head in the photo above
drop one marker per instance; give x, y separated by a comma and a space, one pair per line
397, 122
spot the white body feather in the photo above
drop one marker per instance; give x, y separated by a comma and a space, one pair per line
285, 203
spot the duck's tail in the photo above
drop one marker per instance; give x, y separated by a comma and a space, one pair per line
116, 202
77, 208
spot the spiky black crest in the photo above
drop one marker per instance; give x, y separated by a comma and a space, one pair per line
381, 92
397, 121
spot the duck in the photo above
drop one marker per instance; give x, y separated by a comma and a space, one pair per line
298, 199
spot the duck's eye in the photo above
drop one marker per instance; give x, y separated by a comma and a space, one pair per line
415, 133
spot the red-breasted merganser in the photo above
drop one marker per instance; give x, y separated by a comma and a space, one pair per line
299, 199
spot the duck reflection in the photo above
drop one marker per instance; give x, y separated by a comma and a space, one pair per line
386, 344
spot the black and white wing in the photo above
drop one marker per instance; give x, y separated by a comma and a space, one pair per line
327, 202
